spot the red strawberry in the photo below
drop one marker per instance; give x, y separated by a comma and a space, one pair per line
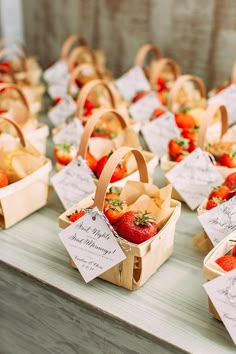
89, 104
65, 153
76, 215
181, 156
220, 192
178, 145
57, 100
229, 159
139, 95
119, 172
190, 134
114, 208
214, 202
163, 96
136, 226
113, 192
161, 84
227, 262
232, 192
184, 121
157, 113
230, 180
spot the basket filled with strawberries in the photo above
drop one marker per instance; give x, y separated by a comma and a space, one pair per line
142, 216
23, 178
220, 260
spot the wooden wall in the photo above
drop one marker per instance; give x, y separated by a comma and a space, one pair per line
199, 34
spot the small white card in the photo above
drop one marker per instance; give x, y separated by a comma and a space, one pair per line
63, 110
132, 82
228, 98
71, 133
92, 246
222, 292
194, 177
57, 72
143, 108
159, 132
220, 221
74, 182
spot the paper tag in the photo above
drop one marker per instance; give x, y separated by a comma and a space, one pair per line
132, 82
74, 182
228, 98
57, 72
71, 133
159, 132
92, 246
220, 221
222, 292
64, 109
194, 177
143, 108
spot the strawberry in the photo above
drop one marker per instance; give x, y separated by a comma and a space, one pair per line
89, 104
113, 192
64, 153
178, 145
114, 208
139, 95
181, 156
230, 180
220, 192
136, 226
161, 84
190, 134
3, 179
119, 172
227, 262
229, 159
57, 100
91, 161
103, 133
232, 192
184, 121
76, 215
163, 96
88, 112
157, 113
214, 202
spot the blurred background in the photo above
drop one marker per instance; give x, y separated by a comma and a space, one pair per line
200, 35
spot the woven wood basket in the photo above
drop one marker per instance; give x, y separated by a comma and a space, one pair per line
144, 259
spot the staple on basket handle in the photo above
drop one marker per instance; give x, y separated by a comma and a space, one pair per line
90, 125
179, 84
9, 86
86, 90
76, 53
67, 45
16, 126
109, 169
143, 52
79, 69
158, 67
207, 118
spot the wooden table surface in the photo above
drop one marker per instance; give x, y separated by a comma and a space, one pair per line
170, 308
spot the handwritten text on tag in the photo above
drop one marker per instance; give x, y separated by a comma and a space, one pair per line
132, 82
74, 182
143, 108
220, 221
159, 132
194, 177
71, 133
62, 111
92, 246
222, 292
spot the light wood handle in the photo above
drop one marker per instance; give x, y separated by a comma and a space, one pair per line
68, 44
78, 69
109, 169
90, 125
173, 94
16, 126
158, 67
143, 52
206, 120
233, 74
76, 52
8, 86
87, 89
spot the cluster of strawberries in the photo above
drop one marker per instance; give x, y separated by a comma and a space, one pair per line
228, 261
222, 193
162, 92
132, 225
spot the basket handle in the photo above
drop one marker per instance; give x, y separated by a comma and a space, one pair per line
7, 50
16, 126
67, 45
79, 69
86, 90
207, 118
90, 125
8, 86
143, 52
179, 84
233, 74
109, 169
159, 66
75, 54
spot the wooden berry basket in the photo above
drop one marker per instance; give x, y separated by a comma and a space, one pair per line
211, 270
35, 132
22, 198
143, 53
144, 259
